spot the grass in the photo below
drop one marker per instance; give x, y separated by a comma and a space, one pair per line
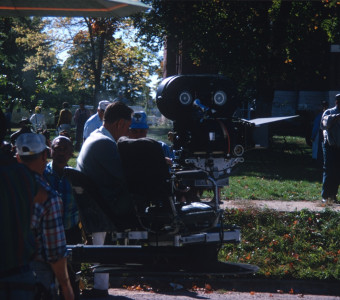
296, 245
284, 171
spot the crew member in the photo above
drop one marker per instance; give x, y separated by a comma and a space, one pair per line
99, 159
95, 121
330, 124
47, 220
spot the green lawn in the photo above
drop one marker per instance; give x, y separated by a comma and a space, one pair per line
295, 245
284, 171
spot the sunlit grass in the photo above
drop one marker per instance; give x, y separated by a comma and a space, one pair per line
284, 171
259, 188
287, 245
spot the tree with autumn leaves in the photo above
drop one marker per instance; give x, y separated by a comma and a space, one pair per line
101, 64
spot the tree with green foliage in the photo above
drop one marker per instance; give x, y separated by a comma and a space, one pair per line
262, 45
28, 62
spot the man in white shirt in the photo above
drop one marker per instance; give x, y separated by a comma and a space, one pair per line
95, 121
38, 120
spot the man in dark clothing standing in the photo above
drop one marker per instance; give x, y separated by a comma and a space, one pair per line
330, 124
80, 117
65, 118
18, 192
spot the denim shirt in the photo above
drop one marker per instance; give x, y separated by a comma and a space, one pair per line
64, 188
331, 127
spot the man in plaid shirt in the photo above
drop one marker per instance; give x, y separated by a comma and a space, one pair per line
62, 151
47, 222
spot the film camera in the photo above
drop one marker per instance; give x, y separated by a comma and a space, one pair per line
206, 135
208, 142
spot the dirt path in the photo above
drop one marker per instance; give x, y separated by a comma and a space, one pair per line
280, 205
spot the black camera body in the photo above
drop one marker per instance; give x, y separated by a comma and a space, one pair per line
206, 135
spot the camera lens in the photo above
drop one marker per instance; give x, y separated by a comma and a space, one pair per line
220, 98
185, 98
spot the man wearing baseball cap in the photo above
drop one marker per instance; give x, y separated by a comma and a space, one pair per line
139, 129
47, 219
139, 125
95, 121
18, 192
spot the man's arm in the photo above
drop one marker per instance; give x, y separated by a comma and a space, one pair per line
76, 116
41, 195
60, 118
328, 120
86, 130
55, 245
60, 270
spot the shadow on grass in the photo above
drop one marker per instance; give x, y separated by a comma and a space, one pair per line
283, 160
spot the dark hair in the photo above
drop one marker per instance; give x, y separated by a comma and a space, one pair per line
116, 111
65, 105
65, 133
3, 127
64, 138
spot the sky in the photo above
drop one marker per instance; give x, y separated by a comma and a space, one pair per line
126, 36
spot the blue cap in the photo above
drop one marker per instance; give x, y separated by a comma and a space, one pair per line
139, 120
